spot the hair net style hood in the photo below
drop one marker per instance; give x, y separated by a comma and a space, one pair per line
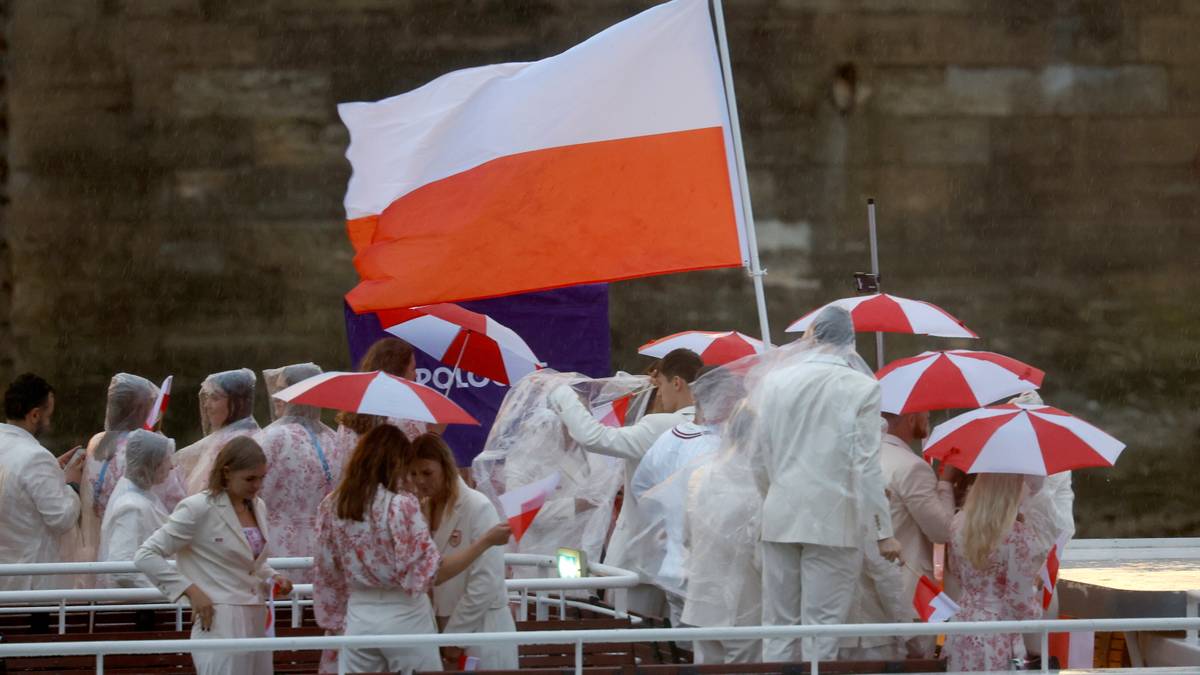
278, 379
832, 333
144, 455
193, 463
130, 399
237, 386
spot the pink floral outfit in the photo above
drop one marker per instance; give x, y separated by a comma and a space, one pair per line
1004, 591
303, 465
374, 576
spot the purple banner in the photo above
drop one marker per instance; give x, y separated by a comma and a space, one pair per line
567, 329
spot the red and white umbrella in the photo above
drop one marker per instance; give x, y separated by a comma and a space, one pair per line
464, 339
714, 348
958, 378
376, 393
1016, 438
883, 313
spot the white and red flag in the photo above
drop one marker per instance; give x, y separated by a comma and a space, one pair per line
932, 603
518, 177
1049, 572
613, 413
160, 405
521, 505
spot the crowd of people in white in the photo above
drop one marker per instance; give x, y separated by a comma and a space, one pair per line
768, 491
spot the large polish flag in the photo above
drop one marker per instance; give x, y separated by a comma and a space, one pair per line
612, 160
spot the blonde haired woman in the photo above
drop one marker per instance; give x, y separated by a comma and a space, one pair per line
475, 601
219, 538
995, 557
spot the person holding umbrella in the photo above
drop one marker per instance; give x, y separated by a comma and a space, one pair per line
1000, 540
675, 373
304, 465
995, 557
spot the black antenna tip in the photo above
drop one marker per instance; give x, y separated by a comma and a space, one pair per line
871, 200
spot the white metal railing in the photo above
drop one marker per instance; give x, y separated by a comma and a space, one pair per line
582, 637
536, 591
1193, 610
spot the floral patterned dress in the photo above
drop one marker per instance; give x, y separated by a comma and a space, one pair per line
304, 465
1003, 591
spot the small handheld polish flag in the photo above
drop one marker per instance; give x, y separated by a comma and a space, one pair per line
614, 412
160, 406
521, 505
1049, 571
931, 603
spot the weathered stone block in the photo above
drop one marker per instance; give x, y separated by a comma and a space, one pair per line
1141, 141
266, 94
1171, 39
945, 141
1032, 140
1185, 90
299, 143
1061, 89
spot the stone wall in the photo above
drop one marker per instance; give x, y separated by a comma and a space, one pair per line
175, 173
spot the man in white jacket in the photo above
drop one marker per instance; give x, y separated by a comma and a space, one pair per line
819, 429
37, 502
675, 373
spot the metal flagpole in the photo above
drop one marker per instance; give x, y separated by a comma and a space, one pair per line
875, 272
756, 270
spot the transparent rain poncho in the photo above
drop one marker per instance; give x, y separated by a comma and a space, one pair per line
529, 442
194, 463
127, 408
134, 512
304, 465
721, 494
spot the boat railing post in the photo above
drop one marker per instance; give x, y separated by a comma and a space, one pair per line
62, 617
99, 664
621, 602
1193, 605
579, 657
1045, 650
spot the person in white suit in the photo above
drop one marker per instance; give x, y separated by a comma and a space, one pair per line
475, 601
819, 429
37, 502
219, 540
675, 373
135, 512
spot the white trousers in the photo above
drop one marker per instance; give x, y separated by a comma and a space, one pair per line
496, 657
806, 584
727, 651
234, 621
390, 612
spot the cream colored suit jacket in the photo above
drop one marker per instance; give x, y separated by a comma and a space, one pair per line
466, 598
211, 551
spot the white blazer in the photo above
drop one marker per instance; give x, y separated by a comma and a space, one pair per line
465, 598
820, 432
211, 551
36, 507
630, 444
